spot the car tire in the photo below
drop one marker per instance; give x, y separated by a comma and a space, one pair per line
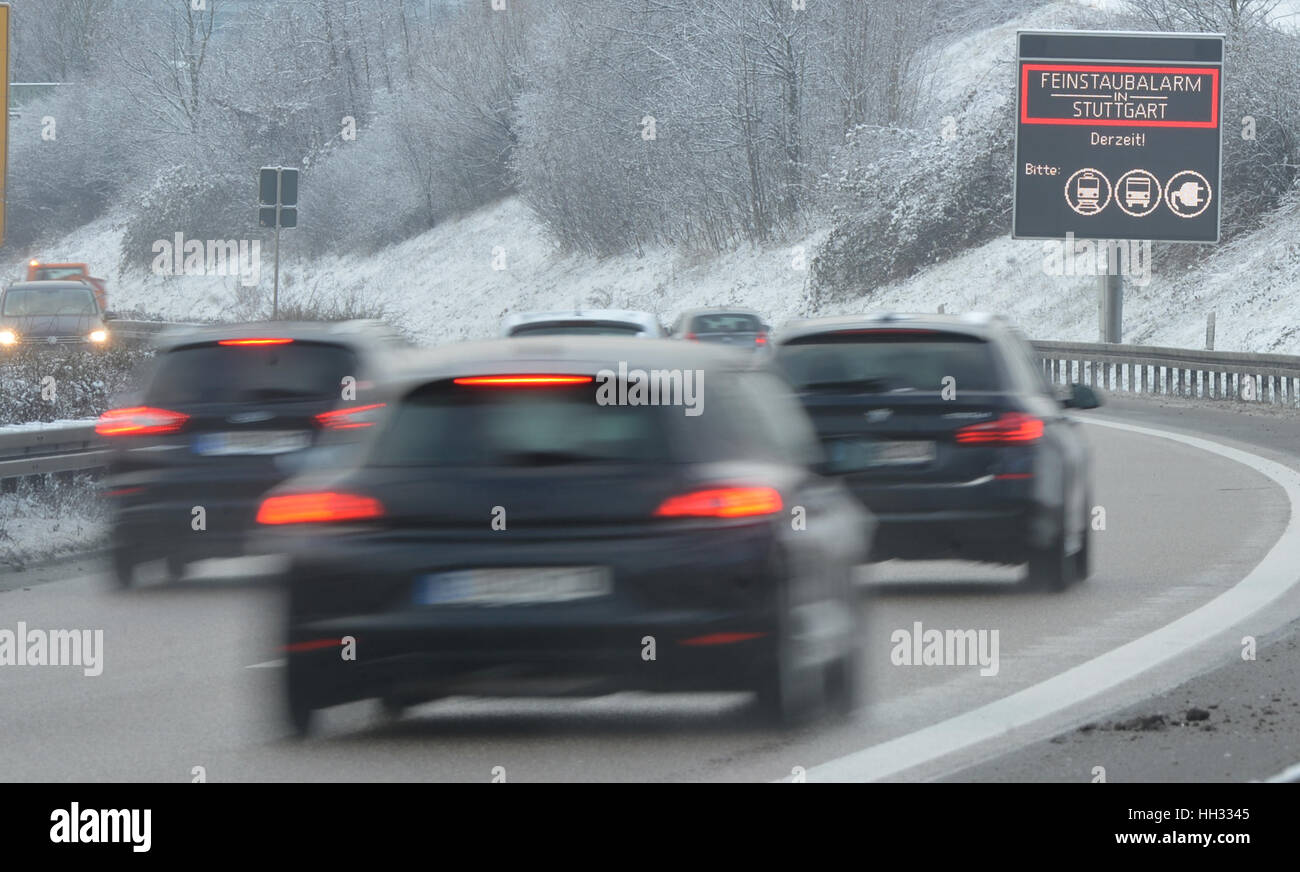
843, 678
1052, 568
789, 695
1083, 558
123, 569
175, 569
299, 708
391, 709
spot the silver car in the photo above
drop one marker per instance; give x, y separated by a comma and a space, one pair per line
581, 322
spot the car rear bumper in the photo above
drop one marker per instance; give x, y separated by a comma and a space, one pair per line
152, 531
687, 611
414, 657
987, 520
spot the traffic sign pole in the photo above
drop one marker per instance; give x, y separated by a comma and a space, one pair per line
1111, 301
275, 295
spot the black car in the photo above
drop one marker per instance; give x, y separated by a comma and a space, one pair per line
515, 529
948, 430
224, 414
52, 314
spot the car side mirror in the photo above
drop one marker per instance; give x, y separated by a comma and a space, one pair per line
1081, 397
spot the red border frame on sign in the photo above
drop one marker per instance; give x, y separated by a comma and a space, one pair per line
1212, 72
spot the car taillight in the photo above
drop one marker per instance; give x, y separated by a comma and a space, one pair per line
354, 418
760, 339
1010, 428
692, 336
139, 421
721, 502
521, 380
267, 341
318, 508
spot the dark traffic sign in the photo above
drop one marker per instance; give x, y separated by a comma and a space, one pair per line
1118, 136
277, 186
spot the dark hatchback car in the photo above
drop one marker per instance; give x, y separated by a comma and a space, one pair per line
51, 314
225, 414
947, 429
515, 530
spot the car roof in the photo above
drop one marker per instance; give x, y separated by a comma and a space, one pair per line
577, 355
973, 324
59, 285
341, 332
630, 316
720, 310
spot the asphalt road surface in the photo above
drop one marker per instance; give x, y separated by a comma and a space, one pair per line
191, 672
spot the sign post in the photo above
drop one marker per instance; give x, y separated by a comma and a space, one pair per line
1118, 137
277, 195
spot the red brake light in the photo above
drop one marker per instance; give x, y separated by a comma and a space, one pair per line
522, 380
722, 502
354, 418
318, 508
692, 336
254, 341
1011, 427
760, 339
139, 421
884, 331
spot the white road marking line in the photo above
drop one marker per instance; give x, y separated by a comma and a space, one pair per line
1277, 573
1289, 775
269, 664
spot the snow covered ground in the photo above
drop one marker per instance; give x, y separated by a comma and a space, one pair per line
458, 280
445, 285
39, 524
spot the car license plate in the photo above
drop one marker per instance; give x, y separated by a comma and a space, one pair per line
506, 587
250, 442
902, 453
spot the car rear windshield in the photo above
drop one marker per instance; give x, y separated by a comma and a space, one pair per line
889, 361
456, 425
49, 301
578, 328
57, 273
726, 323
212, 373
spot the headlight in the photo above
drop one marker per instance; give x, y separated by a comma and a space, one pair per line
99, 336
8, 337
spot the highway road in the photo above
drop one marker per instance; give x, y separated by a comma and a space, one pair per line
1196, 528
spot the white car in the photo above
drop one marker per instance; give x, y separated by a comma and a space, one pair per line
580, 322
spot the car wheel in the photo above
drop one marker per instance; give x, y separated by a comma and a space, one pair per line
790, 693
1082, 558
123, 568
175, 569
843, 678
391, 709
1052, 568
299, 708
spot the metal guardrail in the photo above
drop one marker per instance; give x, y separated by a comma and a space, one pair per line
1143, 369
1181, 372
139, 329
68, 448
